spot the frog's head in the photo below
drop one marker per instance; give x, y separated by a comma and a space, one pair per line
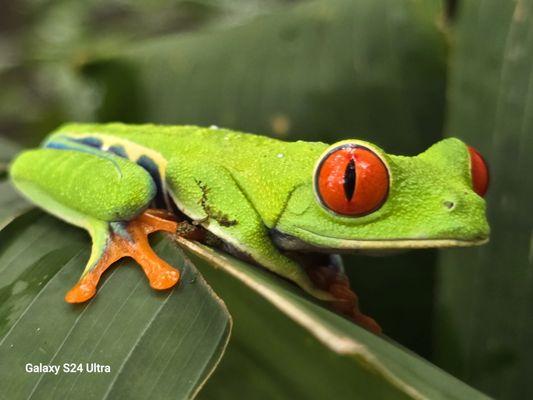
360, 197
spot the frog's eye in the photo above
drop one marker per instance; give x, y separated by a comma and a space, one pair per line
352, 180
479, 171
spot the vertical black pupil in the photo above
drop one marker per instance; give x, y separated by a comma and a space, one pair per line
349, 180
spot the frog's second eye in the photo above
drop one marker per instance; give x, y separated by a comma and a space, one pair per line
479, 171
352, 180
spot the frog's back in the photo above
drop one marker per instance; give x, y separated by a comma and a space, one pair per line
167, 139
223, 145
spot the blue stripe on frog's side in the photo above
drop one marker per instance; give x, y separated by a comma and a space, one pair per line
118, 150
89, 141
149, 165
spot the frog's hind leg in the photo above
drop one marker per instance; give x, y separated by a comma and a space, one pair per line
331, 278
116, 240
108, 196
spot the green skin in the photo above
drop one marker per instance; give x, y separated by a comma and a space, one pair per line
243, 188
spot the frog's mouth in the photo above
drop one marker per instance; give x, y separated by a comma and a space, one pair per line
292, 243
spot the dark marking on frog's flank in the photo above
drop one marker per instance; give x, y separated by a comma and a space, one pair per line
57, 146
118, 150
88, 141
220, 217
151, 167
349, 180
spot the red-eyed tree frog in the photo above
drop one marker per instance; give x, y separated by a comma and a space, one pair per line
284, 206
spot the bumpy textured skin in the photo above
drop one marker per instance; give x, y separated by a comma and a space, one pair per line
241, 186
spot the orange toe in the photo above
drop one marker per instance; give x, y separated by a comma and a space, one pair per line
165, 280
131, 240
81, 292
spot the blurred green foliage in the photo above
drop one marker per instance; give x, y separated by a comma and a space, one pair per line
45, 44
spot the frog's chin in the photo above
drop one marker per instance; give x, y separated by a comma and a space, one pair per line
321, 243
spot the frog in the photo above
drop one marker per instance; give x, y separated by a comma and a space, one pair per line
290, 207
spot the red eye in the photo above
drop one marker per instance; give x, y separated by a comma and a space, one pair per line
479, 171
352, 180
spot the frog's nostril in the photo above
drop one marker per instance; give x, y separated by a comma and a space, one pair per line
450, 205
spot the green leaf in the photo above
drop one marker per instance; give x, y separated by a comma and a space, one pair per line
485, 308
286, 346
158, 345
11, 203
7, 150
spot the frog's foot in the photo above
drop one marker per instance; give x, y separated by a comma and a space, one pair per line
336, 283
130, 239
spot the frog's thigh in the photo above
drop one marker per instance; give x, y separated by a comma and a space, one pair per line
210, 194
77, 186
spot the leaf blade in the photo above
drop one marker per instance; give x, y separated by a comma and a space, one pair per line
398, 370
48, 330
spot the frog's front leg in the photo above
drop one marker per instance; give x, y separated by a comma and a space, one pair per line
210, 196
106, 195
128, 239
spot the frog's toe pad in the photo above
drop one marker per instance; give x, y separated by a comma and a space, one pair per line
160, 274
81, 292
165, 280
130, 239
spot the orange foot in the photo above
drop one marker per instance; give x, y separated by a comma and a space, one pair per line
130, 239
